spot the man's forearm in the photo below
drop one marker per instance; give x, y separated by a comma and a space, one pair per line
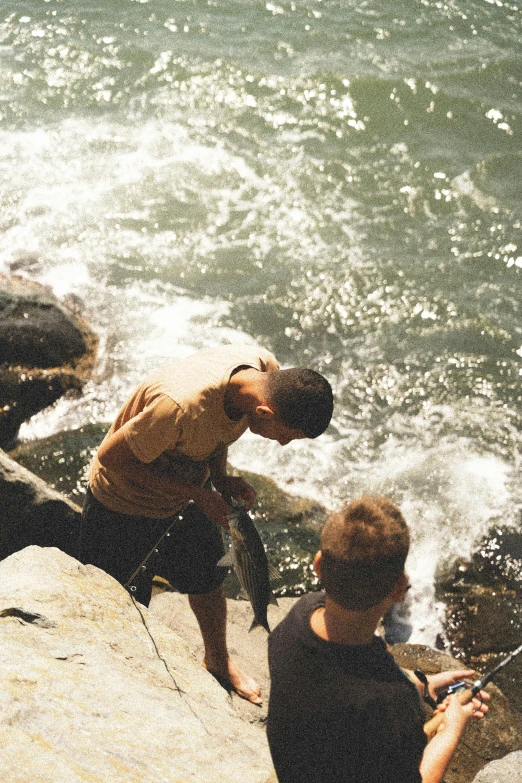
115, 455
154, 478
437, 756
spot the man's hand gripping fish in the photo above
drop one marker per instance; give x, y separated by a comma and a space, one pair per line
248, 557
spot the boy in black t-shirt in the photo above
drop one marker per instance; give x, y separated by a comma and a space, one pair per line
341, 710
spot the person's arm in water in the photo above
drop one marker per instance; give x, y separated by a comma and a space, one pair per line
116, 454
230, 487
440, 749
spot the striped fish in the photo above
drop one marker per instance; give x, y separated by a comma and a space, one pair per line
248, 557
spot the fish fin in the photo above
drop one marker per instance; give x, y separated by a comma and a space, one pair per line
227, 561
273, 574
273, 600
258, 624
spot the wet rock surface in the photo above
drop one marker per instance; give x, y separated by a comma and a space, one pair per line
62, 459
95, 688
483, 601
46, 350
33, 513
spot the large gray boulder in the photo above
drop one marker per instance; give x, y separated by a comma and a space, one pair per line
249, 649
46, 349
33, 513
506, 770
95, 687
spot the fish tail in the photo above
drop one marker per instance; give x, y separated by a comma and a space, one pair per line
259, 624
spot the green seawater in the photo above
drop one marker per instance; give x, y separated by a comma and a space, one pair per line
338, 181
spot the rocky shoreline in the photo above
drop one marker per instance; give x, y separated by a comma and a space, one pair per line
42, 359
483, 601
47, 350
97, 687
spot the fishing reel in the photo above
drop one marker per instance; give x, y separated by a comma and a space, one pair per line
457, 687
473, 689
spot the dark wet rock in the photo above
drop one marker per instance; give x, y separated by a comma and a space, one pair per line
36, 329
483, 601
275, 506
25, 392
499, 559
32, 513
492, 738
62, 459
46, 350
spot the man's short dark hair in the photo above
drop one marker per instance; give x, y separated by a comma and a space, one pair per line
303, 399
364, 548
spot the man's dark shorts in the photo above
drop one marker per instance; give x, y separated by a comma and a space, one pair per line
187, 557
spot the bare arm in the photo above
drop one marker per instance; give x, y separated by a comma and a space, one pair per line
218, 466
230, 486
116, 454
439, 751
441, 746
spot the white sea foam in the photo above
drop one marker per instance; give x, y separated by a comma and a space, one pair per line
449, 495
69, 277
88, 206
184, 326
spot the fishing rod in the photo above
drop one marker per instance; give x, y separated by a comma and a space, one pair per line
466, 691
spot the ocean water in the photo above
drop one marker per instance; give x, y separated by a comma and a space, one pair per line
338, 181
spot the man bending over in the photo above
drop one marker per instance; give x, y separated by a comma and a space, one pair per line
167, 447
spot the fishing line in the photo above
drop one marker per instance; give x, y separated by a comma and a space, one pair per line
132, 589
143, 565
162, 659
179, 690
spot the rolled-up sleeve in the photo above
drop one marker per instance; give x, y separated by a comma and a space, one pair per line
154, 430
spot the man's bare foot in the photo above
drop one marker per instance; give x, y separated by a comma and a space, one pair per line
231, 677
